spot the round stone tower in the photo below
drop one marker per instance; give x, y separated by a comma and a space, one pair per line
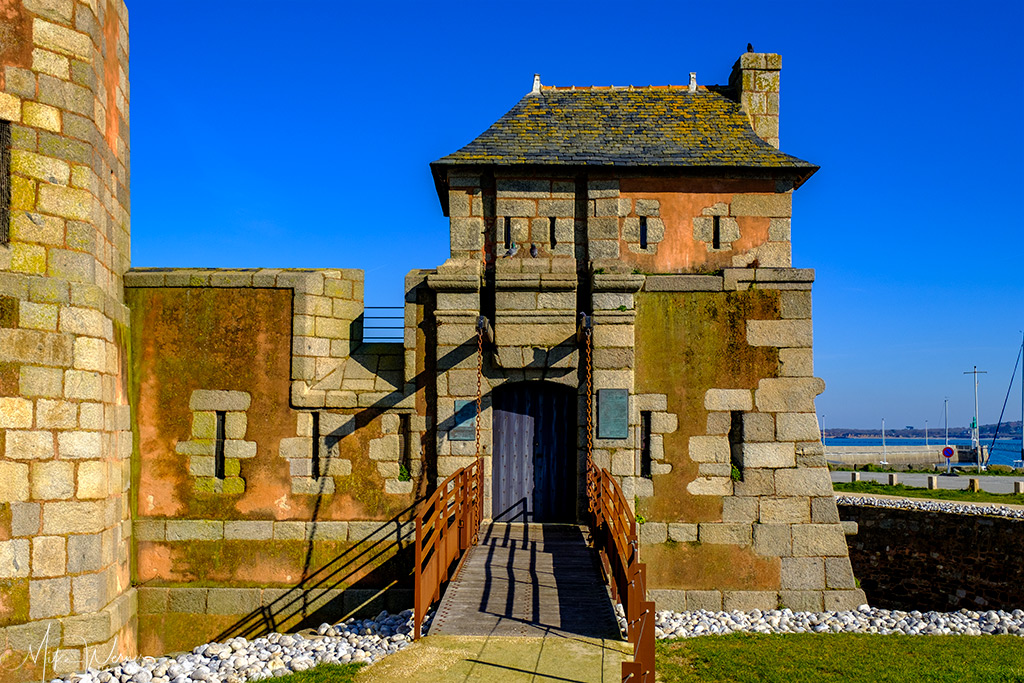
66, 600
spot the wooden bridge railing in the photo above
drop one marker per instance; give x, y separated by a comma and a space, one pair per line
615, 537
447, 524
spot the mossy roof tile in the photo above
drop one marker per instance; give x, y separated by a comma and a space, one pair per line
641, 127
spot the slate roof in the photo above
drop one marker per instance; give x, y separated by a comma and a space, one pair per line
666, 127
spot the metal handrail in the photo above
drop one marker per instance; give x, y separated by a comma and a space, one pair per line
615, 537
447, 524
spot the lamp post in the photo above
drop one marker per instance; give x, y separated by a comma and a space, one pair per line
885, 459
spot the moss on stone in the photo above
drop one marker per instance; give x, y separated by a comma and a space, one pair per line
706, 566
676, 334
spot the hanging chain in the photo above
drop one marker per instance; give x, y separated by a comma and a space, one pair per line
479, 382
590, 399
480, 346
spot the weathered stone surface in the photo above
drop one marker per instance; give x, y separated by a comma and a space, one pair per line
187, 600
728, 399
802, 600
740, 509
248, 530
773, 540
803, 573
710, 601
780, 333
813, 481
710, 486
709, 449
53, 480
731, 533
25, 445
819, 540
653, 532
194, 530
746, 601
682, 532
232, 600
785, 510
797, 426
768, 454
755, 483
213, 400
844, 600
788, 394
824, 510
14, 559
839, 573
49, 598
14, 481
758, 427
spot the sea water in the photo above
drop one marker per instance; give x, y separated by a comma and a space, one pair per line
1004, 452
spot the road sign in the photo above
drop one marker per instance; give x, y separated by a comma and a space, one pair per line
947, 452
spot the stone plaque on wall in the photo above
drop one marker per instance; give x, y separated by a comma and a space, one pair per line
464, 428
612, 413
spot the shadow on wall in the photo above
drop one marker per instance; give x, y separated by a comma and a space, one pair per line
326, 594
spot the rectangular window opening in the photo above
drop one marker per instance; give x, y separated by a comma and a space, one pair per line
643, 232
5, 182
508, 233
551, 232
645, 444
218, 454
316, 466
716, 233
736, 444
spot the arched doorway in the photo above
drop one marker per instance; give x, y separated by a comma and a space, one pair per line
534, 463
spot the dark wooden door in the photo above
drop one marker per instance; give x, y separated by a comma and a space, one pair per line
534, 467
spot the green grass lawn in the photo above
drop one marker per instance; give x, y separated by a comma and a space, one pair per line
323, 673
917, 492
850, 658
964, 470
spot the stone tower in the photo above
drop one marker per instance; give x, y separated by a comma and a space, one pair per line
65, 435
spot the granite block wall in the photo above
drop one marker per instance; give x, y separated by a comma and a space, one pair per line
65, 438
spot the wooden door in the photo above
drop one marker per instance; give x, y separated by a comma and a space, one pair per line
534, 466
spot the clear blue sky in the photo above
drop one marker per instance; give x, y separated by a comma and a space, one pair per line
298, 134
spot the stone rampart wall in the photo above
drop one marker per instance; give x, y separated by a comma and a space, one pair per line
917, 560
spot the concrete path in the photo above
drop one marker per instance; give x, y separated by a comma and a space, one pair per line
528, 580
988, 483
446, 659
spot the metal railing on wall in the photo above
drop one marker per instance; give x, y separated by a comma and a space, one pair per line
615, 537
447, 524
383, 324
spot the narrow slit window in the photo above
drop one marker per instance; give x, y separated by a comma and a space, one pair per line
5, 182
645, 444
736, 444
316, 471
405, 446
508, 232
716, 233
643, 232
218, 454
552, 238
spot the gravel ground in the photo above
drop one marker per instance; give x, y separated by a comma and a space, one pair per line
276, 654
953, 507
864, 619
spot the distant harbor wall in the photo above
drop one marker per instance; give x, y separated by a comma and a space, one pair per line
911, 559
895, 454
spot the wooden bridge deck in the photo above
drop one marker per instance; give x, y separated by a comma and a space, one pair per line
528, 580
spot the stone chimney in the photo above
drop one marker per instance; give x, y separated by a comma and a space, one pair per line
755, 80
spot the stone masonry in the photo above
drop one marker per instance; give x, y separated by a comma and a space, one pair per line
65, 424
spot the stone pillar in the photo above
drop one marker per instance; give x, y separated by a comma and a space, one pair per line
755, 78
65, 432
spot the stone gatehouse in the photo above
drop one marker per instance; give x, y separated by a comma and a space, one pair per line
232, 444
